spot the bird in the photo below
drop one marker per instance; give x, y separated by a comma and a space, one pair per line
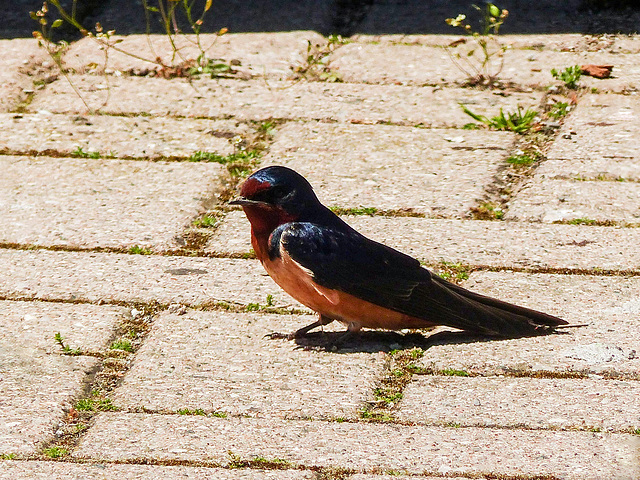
328, 266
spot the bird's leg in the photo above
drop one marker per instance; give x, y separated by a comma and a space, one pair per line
322, 320
352, 329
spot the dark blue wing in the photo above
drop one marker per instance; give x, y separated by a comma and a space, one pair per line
342, 259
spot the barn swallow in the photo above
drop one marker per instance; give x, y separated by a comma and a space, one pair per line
328, 266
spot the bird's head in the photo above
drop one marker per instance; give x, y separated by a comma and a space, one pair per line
275, 195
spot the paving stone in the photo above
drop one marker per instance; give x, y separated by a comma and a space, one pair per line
427, 65
609, 305
257, 100
102, 203
522, 402
260, 54
418, 449
19, 470
432, 171
359, 476
95, 277
138, 137
220, 361
598, 139
504, 244
564, 42
546, 200
37, 383
17, 55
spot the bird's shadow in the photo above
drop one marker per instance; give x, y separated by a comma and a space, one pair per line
371, 341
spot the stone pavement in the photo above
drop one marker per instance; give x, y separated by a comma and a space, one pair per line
135, 317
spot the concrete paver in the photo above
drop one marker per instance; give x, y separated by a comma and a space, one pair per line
498, 244
522, 402
95, 277
260, 100
431, 171
101, 203
138, 137
426, 65
571, 455
598, 139
37, 383
260, 54
543, 200
99, 471
15, 76
608, 345
218, 361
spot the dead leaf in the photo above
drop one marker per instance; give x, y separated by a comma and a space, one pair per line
597, 71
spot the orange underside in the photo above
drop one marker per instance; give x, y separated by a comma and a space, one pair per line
352, 311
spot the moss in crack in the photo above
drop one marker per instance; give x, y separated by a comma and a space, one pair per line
389, 391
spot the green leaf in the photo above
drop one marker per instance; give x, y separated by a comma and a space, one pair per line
57, 23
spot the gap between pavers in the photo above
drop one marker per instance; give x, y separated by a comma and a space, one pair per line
17, 67
474, 242
431, 171
608, 405
223, 362
609, 345
570, 455
548, 200
110, 277
91, 203
598, 138
147, 138
272, 55
37, 382
28, 470
260, 100
425, 65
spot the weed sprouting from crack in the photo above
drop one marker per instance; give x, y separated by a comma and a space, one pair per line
316, 66
389, 391
115, 362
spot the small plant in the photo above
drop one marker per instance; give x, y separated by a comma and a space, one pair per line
207, 221
186, 411
455, 272
66, 349
55, 452
452, 372
138, 250
354, 211
488, 211
478, 58
558, 110
80, 153
95, 404
316, 66
582, 221
270, 302
8, 456
569, 76
124, 345
521, 160
519, 121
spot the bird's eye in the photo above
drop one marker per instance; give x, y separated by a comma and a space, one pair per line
278, 192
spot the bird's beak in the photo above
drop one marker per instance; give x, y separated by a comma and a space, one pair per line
245, 202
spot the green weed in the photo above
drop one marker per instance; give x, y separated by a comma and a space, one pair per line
55, 452
124, 345
521, 160
138, 250
66, 349
519, 121
569, 76
80, 153
558, 110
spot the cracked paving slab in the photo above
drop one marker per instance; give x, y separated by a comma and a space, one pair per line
474, 242
37, 382
270, 55
112, 277
546, 200
222, 362
608, 405
141, 137
608, 345
598, 140
431, 171
428, 65
418, 449
28, 470
77, 202
257, 100
16, 81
